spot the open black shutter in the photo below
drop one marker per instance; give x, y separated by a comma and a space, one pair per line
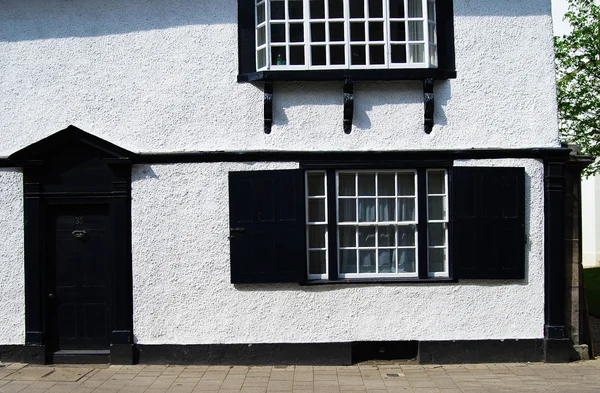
266, 210
488, 222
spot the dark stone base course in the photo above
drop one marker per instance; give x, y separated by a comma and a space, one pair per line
426, 352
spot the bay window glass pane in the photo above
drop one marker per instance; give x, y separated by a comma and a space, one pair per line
399, 54
433, 55
336, 8
297, 55
317, 32
316, 236
357, 31
317, 9
366, 236
261, 36
417, 53
347, 210
357, 8
366, 184
318, 56
376, 55
358, 55
347, 184
406, 235
437, 258
296, 32
277, 9
387, 209
366, 261
316, 184
295, 9
348, 261
386, 236
260, 13
432, 35
278, 56
437, 234
278, 32
316, 210
261, 58
366, 210
375, 31
415, 8
436, 182
415, 31
430, 10
336, 31
397, 31
436, 208
317, 262
406, 209
397, 8
387, 261
337, 55
347, 236
406, 260
386, 184
406, 184
375, 8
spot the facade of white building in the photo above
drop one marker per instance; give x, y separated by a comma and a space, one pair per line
280, 181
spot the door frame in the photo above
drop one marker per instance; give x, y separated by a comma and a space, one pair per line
41, 190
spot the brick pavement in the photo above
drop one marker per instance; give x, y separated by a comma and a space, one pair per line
367, 378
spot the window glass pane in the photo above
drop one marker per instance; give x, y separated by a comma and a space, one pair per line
295, 9
277, 33
415, 8
406, 209
317, 32
316, 183
316, 236
415, 31
437, 257
336, 31
366, 261
277, 9
337, 54
347, 236
386, 236
357, 8
347, 184
430, 10
317, 262
376, 54
406, 184
406, 235
317, 9
366, 236
261, 36
358, 55
397, 8
375, 9
387, 209
387, 261
261, 58
398, 53
436, 182
357, 31
260, 13
437, 208
406, 260
316, 210
437, 234
375, 31
366, 210
417, 53
432, 35
397, 31
336, 8
296, 32
433, 55
278, 55
348, 261
386, 184
366, 184
297, 55
318, 55
347, 210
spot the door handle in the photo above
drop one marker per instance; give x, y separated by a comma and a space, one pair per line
50, 296
79, 233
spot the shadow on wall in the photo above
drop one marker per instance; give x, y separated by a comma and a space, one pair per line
41, 19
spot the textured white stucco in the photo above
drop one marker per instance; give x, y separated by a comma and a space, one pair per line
183, 295
155, 76
12, 277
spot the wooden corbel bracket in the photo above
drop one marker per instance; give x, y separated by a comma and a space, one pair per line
428, 100
348, 105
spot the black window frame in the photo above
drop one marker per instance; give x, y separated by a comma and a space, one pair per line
446, 68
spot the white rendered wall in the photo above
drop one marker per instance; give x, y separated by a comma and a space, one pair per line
590, 221
12, 275
182, 292
155, 76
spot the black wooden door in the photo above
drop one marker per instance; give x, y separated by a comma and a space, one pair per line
79, 274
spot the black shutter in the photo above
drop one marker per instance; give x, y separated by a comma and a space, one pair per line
266, 210
488, 223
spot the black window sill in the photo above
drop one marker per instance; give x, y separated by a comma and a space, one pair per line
355, 75
354, 281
